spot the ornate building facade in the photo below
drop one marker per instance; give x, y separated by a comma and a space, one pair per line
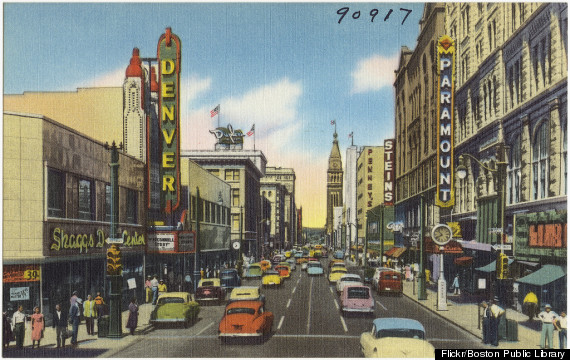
334, 184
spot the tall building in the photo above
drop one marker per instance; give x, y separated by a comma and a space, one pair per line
275, 192
511, 106
134, 119
416, 128
350, 194
286, 177
334, 184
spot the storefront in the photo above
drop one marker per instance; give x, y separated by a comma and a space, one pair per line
21, 286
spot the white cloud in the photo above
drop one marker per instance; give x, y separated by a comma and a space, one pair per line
192, 88
111, 79
374, 73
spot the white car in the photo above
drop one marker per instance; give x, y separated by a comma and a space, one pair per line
304, 266
348, 279
376, 276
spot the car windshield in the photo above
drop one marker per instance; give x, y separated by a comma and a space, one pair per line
241, 311
401, 333
390, 277
350, 279
254, 267
245, 293
207, 283
170, 300
314, 265
358, 293
271, 272
338, 271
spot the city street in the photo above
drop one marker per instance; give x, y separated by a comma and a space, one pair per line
307, 323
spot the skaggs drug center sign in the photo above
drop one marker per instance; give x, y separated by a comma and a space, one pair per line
446, 68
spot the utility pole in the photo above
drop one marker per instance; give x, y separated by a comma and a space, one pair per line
197, 250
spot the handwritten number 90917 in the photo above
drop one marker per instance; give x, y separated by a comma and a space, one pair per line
373, 13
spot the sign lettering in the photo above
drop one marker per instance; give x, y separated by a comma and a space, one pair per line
61, 240
389, 172
227, 135
446, 59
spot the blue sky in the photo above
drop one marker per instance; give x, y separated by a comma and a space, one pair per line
290, 68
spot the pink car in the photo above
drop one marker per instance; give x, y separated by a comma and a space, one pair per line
356, 298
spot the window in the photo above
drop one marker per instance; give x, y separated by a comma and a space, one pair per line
235, 222
193, 208
207, 211
223, 218
218, 214
235, 197
514, 172
131, 211
564, 160
540, 162
108, 204
232, 175
85, 200
56, 193
215, 172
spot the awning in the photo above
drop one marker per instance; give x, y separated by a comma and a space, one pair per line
391, 251
474, 245
491, 267
543, 276
398, 252
529, 263
463, 261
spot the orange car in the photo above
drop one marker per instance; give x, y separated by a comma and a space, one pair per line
283, 271
265, 265
245, 318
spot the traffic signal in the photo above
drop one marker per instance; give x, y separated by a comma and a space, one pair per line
502, 266
114, 265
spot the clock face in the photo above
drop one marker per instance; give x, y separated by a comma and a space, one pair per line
236, 245
441, 234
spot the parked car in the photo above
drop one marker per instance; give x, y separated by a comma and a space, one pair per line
246, 293
245, 318
347, 279
272, 278
336, 273
210, 290
396, 338
356, 298
314, 268
230, 278
253, 272
173, 308
376, 276
390, 282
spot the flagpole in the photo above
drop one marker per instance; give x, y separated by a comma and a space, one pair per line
254, 131
219, 113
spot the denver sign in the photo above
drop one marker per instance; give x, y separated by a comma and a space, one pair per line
446, 68
168, 55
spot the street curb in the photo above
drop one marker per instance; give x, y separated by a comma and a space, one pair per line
115, 350
480, 336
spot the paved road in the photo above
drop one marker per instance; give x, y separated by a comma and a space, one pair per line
307, 323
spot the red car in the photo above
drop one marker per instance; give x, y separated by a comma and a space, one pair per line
245, 318
210, 290
283, 271
390, 282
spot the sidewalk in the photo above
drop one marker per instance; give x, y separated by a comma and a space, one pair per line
93, 341
465, 315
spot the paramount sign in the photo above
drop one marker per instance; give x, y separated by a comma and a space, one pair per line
446, 65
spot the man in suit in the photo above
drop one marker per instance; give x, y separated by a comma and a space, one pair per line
60, 325
486, 323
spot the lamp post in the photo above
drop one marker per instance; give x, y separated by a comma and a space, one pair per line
264, 232
197, 250
501, 170
240, 258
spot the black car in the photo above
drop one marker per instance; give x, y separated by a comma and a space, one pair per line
230, 278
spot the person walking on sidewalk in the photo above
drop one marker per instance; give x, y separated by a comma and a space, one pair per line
74, 320
99, 305
19, 326
60, 326
133, 316
154, 286
561, 325
530, 305
161, 287
486, 323
148, 289
496, 313
90, 313
37, 326
7, 334
455, 285
548, 318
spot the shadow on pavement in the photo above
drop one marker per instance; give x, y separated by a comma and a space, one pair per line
52, 352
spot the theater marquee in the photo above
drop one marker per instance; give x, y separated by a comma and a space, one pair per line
446, 71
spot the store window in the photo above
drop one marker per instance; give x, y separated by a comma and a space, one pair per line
86, 200
540, 148
56, 193
132, 208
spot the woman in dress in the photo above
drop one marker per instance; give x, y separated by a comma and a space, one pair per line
133, 316
37, 326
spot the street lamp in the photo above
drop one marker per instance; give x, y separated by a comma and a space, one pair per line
501, 170
266, 222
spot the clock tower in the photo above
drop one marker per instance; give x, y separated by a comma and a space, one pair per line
334, 183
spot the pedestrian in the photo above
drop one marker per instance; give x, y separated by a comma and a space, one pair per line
496, 313
154, 287
73, 298
561, 326
99, 305
547, 317
133, 316
148, 289
161, 287
486, 323
7, 334
19, 326
428, 276
530, 305
408, 270
90, 313
74, 320
37, 326
60, 326
455, 285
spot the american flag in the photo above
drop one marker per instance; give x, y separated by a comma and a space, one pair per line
333, 122
215, 111
252, 131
